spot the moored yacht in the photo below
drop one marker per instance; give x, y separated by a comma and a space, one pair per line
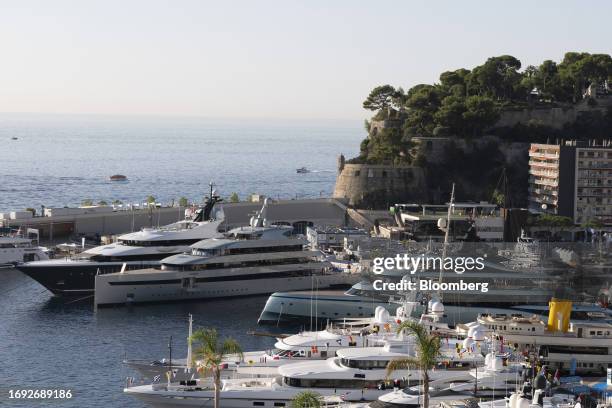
250, 260
75, 276
581, 347
356, 374
305, 345
15, 248
498, 378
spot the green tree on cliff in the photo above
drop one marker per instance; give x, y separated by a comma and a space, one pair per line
481, 113
381, 98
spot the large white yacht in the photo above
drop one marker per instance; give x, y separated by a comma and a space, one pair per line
15, 248
355, 374
75, 276
305, 345
498, 378
510, 289
251, 260
583, 347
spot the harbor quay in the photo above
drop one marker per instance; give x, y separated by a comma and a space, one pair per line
97, 221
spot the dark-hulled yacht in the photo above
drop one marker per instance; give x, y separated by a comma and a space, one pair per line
75, 276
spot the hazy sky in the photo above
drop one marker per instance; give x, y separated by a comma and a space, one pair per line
258, 59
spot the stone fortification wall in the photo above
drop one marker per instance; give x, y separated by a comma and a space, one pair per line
379, 186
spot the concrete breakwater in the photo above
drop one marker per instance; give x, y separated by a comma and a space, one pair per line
299, 213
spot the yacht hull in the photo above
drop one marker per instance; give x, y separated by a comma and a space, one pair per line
270, 397
73, 278
148, 288
289, 307
296, 307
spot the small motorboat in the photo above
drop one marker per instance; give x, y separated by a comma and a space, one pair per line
118, 177
14, 138
302, 170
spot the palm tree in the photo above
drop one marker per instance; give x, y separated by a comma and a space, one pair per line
209, 352
427, 354
306, 399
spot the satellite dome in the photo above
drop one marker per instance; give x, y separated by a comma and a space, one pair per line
478, 335
437, 307
513, 399
497, 363
473, 329
488, 358
384, 316
523, 403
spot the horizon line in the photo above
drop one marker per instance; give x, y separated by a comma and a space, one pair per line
183, 116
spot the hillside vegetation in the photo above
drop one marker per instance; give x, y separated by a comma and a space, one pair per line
466, 103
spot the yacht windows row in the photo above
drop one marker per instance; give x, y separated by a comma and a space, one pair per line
243, 264
225, 278
243, 251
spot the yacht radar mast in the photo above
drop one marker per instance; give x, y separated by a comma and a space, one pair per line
446, 234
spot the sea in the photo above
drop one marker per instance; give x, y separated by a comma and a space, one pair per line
61, 160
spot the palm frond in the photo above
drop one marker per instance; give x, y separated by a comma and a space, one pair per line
231, 346
306, 399
414, 328
428, 345
402, 364
207, 351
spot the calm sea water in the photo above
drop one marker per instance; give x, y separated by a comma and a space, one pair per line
48, 344
61, 160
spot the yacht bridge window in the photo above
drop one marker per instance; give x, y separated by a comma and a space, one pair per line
364, 364
172, 242
329, 383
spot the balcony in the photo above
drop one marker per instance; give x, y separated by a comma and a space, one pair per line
544, 173
545, 164
543, 182
545, 191
543, 199
544, 155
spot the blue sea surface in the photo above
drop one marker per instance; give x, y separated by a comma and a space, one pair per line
61, 160
48, 343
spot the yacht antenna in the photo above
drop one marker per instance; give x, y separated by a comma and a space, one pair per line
170, 362
446, 233
211, 184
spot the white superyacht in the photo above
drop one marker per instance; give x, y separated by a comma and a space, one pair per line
574, 346
75, 276
356, 374
251, 260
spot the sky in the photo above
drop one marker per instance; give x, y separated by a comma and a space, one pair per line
265, 59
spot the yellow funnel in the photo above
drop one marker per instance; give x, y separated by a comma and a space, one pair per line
559, 314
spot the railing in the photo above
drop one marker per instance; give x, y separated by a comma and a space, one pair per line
543, 164
544, 155
543, 191
544, 173
546, 182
